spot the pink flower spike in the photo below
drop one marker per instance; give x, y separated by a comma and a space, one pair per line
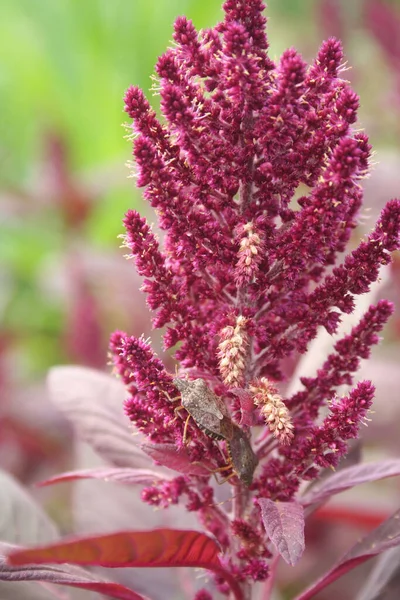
254, 174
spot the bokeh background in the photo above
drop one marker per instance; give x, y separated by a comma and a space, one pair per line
64, 183
64, 66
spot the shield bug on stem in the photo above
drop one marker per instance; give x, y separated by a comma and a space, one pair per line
242, 459
241, 455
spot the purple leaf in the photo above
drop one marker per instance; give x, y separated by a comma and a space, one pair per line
22, 520
22, 590
174, 458
93, 402
129, 476
65, 575
384, 580
348, 478
94, 502
284, 524
386, 536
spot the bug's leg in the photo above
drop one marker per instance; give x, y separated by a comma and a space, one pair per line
176, 410
233, 474
169, 397
218, 470
185, 429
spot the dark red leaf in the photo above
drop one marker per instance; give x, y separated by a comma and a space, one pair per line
348, 478
66, 575
386, 536
353, 515
122, 475
174, 458
284, 524
157, 548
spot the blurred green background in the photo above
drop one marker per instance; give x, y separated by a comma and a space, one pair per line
64, 187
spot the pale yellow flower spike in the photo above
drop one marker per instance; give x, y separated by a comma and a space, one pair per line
273, 409
232, 352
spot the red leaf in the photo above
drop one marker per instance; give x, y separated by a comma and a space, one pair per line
66, 575
348, 478
129, 476
386, 536
174, 458
157, 548
354, 516
284, 524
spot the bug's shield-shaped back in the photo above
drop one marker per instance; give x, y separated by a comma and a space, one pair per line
244, 461
206, 408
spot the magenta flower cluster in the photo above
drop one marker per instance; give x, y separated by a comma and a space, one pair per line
255, 176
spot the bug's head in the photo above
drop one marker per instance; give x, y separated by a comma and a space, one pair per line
181, 384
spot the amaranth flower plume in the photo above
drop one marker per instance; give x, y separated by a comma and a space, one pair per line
255, 176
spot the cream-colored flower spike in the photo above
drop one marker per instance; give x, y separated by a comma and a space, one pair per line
249, 255
273, 409
232, 352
